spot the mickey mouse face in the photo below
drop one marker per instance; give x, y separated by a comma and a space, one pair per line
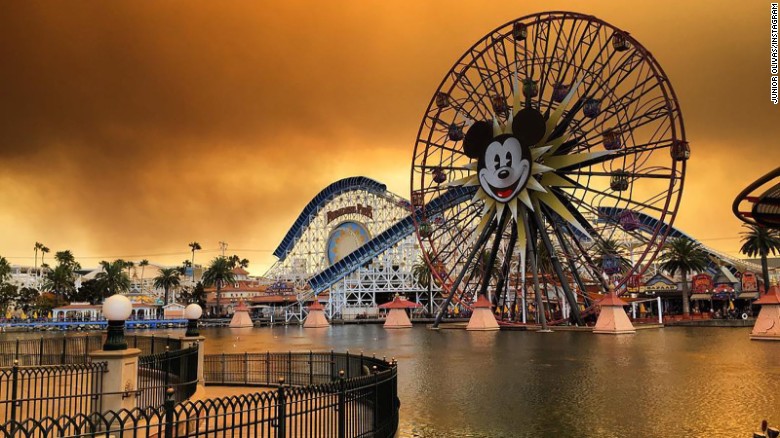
504, 161
505, 168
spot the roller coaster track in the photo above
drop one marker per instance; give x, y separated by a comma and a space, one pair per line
405, 227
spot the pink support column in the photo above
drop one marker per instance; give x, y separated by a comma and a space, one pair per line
767, 326
316, 317
613, 319
482, 318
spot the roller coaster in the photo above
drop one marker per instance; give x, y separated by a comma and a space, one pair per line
358, 277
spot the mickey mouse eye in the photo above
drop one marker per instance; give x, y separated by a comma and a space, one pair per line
509, 159
497, 161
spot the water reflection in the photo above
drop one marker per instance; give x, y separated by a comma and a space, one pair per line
671, 382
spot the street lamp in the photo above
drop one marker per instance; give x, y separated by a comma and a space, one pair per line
192, 312
116, 308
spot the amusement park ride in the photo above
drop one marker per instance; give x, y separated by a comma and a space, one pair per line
553, 137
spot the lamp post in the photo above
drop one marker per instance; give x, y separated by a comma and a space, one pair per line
116, 308
192, 312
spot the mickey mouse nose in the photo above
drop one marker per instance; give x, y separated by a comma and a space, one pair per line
503, 174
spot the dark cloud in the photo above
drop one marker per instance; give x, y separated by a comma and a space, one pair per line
136, 127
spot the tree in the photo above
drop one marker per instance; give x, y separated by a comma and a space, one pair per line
168, 279
194, 246
423, 275
218, 273
9, 293
685, 256
47, 301
5, 269
143, 264
184, 265
38, 246
45, 250
760, 241
28, 296
66, 258
90, 291
196, 294
113, 277
61, 280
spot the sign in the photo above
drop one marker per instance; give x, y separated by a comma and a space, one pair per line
634, 282
659, 283
701, 284
749, 282
365, 210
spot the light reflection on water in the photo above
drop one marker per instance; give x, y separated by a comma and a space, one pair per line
688, 382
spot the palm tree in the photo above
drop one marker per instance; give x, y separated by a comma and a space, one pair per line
760, 241
168, 279
44, 250
686, 256
194, 246
5, 269
61, 280
38, 246
422, 274
113, 278
184, 265
219, 272
143, 264
66, 258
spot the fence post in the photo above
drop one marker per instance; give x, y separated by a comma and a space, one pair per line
376, 399
223, 368
40, 352
169, 412
311, 368
289, 366
348, 371
267, 367
281, 410
167, 359
14, 389
16, 355
342, 406
246, 368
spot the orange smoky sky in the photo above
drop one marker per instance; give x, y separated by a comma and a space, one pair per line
130, 128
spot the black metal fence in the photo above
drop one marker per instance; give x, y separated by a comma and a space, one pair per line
52, 390
359, 403
170, 369
74, 349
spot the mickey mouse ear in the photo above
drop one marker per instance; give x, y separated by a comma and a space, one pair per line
528, 126
477, 139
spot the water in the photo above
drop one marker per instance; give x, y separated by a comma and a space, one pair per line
688, 382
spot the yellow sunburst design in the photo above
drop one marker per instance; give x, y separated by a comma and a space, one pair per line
543, 176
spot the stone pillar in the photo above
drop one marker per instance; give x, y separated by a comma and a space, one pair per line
120, 383
199, 341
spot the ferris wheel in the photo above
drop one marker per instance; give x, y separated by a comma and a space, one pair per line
553, 150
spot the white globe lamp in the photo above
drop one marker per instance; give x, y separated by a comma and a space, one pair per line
116, 309
192, 312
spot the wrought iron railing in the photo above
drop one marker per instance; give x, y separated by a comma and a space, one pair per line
170, 369
74, 349
352, 396
50, 390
